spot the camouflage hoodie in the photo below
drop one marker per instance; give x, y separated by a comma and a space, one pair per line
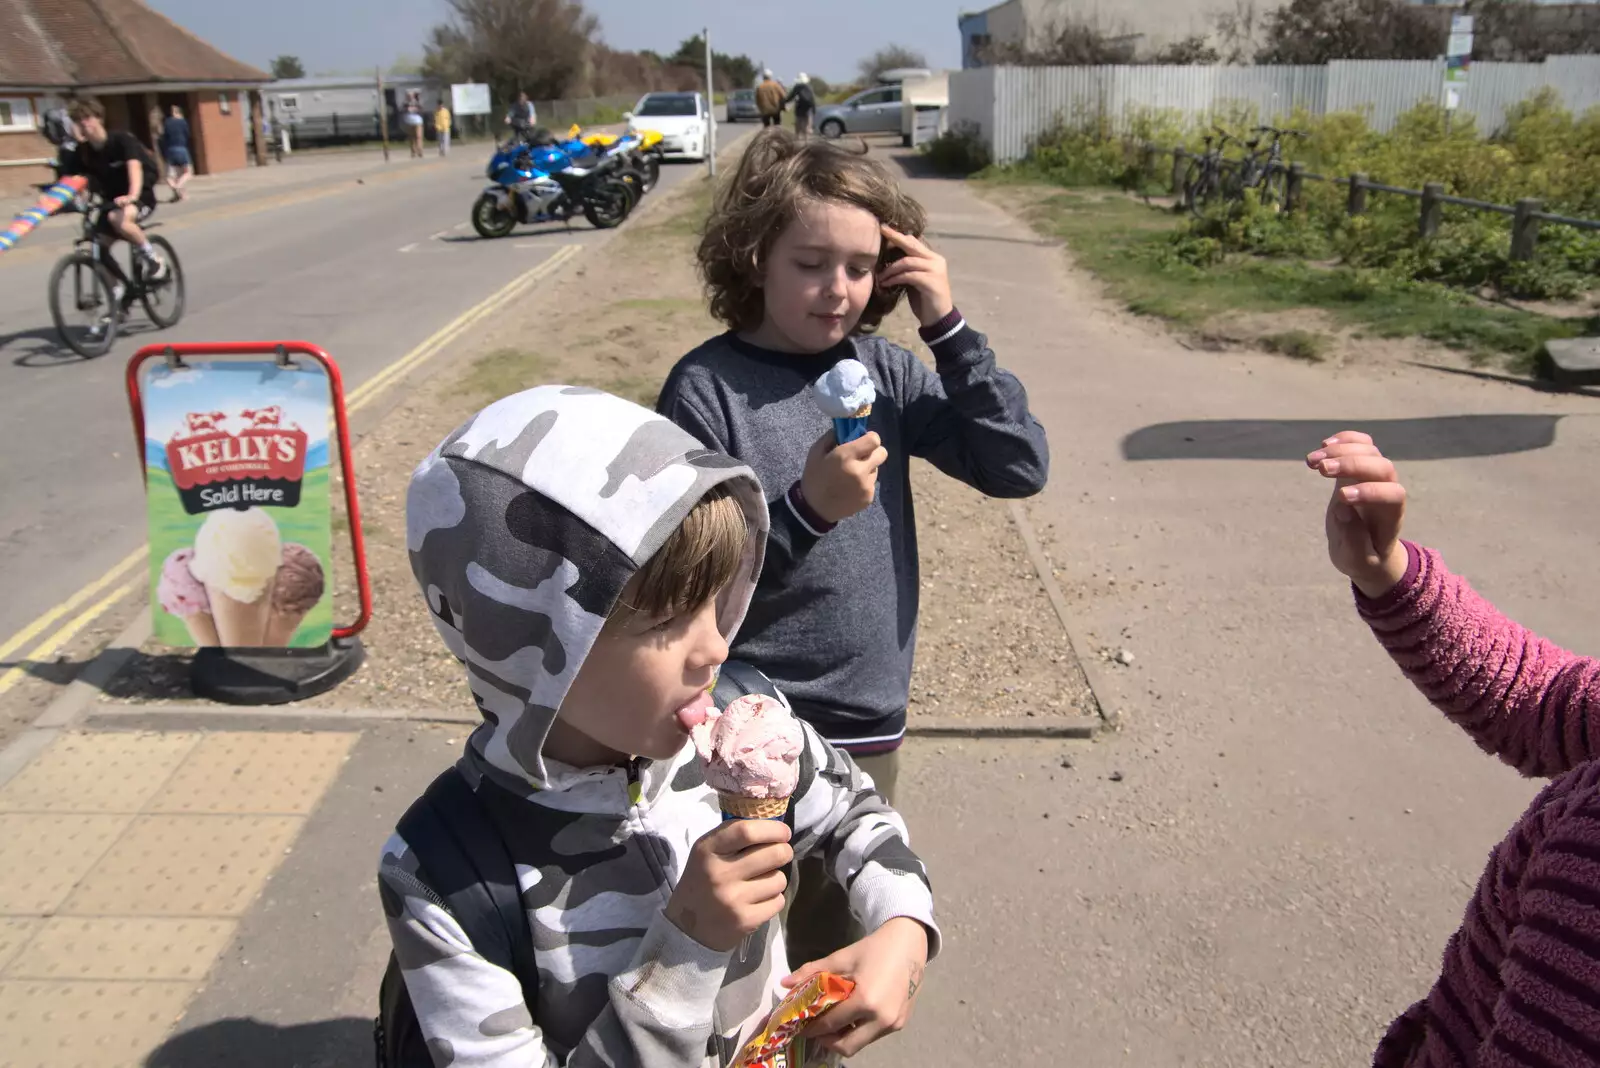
523, 527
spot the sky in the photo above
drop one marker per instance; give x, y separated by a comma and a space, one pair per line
823, 37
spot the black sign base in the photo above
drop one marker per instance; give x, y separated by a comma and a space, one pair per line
273, 676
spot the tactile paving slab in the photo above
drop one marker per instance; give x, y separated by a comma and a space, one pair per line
185, 866
85, 1025
14, 934
256, 772
110, 772
42, 857
123, 948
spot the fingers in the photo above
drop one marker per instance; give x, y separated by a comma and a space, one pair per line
734, 837
849, 1013
1373, 494
910, 265
804, 973
866, 453
849, 1043
1371, 467
905, 242
761, 860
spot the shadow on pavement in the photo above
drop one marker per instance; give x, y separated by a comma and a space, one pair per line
248, 1043
1441, 438
1538, 385
45, 350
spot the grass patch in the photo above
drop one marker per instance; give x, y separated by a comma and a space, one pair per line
1130, 247
501, 373
1305, 345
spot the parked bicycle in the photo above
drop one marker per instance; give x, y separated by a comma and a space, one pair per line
1204, 181
1264, 169
91, 294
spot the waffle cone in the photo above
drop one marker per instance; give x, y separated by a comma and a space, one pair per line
240, 624
863, 411
281, 627
202, 629
752, 808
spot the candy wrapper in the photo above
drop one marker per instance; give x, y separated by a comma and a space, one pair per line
778, 1044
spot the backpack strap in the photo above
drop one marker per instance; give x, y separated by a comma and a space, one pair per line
467, 863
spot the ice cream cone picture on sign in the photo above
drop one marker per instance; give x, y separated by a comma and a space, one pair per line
236, 471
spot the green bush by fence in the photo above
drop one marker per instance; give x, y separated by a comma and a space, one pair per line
1544, 150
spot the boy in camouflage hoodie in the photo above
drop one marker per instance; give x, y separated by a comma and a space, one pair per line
588, 561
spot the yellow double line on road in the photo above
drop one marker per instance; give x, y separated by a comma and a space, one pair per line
93, 600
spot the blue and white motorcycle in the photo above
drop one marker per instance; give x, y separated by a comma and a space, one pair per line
536, 180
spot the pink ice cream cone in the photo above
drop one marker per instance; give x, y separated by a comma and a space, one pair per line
182, 595
749, 754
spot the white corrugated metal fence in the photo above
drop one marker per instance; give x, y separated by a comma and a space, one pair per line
1012, 106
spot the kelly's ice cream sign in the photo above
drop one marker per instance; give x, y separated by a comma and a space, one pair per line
236, 468
213, 467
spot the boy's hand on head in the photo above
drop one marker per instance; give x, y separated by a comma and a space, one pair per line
840, 481
1364, 513
923, 272
887, 968
733, 883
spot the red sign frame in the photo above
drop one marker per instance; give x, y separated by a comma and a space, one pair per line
341, 420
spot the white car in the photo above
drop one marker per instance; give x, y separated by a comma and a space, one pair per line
680, 119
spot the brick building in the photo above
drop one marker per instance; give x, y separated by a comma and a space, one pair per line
129, 58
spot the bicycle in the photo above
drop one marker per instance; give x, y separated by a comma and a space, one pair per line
1265, 171
1204, 180
95, 278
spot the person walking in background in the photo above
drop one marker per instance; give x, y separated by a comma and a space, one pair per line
175, 150
441, 126
523, 116
769, 99
413, 120
805, 104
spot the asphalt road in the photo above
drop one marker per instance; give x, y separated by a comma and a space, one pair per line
368, 273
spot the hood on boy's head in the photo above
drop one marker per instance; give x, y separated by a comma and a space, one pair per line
523, 527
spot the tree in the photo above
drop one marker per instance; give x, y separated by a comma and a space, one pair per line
1316, 31
288, 67
1188, 52
1070, 42
729, 70
540, 47
1523, 32
406, 64
892, 57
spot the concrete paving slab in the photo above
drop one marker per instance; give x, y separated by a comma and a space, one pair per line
85, 772
298, 986
68, 1025
255, 772
42, 857
185, 866
122, 948
14, 934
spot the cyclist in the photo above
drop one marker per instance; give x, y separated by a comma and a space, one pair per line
123, 173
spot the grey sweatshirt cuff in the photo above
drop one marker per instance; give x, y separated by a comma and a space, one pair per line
673, 978
879, 896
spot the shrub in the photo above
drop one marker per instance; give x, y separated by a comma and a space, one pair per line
960, 151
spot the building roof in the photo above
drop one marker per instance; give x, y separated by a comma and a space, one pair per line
68, 44
346, 81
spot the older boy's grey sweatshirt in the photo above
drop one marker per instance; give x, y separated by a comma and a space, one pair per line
834, 617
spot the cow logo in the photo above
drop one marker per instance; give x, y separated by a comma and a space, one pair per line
250, 459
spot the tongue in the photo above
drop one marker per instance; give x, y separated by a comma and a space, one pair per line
694, 713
